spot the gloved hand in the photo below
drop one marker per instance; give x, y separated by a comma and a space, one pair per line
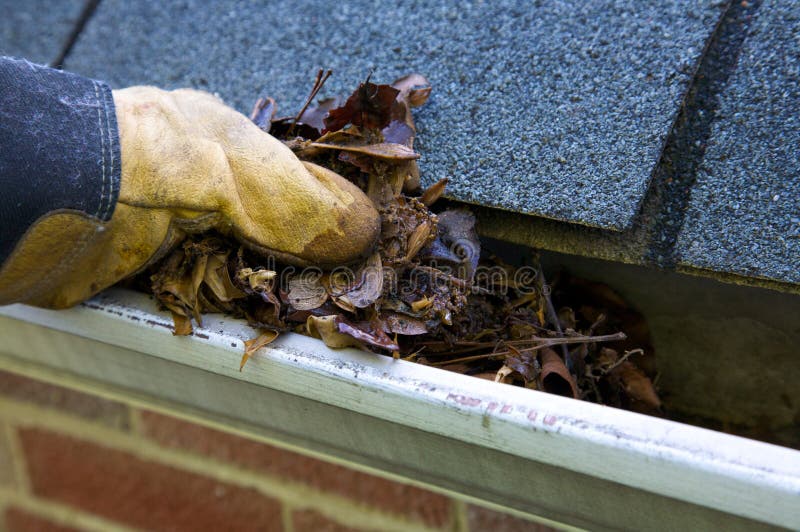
190, 164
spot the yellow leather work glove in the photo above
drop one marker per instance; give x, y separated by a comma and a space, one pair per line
190, 164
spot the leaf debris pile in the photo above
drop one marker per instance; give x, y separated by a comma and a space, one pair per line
427, 293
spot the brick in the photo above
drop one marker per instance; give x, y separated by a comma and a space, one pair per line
311, 521
18, 520
480, 519
392, 497
19, 388
122, 487
6, 458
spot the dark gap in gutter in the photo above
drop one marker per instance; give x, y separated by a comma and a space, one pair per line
683, 154
88, 10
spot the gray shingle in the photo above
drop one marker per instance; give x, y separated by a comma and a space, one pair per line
558, 109
36, 29
744, 213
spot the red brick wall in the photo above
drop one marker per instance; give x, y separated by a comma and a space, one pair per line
72, 461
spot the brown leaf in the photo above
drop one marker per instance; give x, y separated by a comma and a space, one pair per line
638, 387
325, 328
383, 150
369, 106
421, 237
367, 285
522, 363
258, 280
306, 291
554, 377
315, 115
218, 281
253, 345
404, 324
367, 333
433, 192
183, 324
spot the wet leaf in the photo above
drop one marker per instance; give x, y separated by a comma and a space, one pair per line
251, 346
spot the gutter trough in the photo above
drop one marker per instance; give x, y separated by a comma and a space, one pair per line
558, 459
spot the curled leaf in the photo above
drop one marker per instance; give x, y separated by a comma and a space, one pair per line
325, 328
523, 363
259, 280
367, 286
218, 281
421, 236
554, 377
253, 345
367, 333
433, 192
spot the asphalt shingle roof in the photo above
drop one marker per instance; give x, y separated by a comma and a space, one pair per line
559, 109
744, 212
565, 109
36, 29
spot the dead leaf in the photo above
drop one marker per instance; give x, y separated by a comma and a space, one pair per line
421, 237
306, 291
403, 324
554, 377
325, 328
218, 281
369, 106
433, 192
259, 280
367, 286
638, 387
183, 324
366, 332
251, 346
523, 363
263, 112
382, 150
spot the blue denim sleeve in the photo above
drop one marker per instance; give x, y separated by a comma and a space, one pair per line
59, 148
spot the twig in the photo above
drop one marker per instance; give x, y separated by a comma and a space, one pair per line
553, 317
625, 356
318, 83
546, 342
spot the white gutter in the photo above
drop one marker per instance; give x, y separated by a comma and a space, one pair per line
572, 461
